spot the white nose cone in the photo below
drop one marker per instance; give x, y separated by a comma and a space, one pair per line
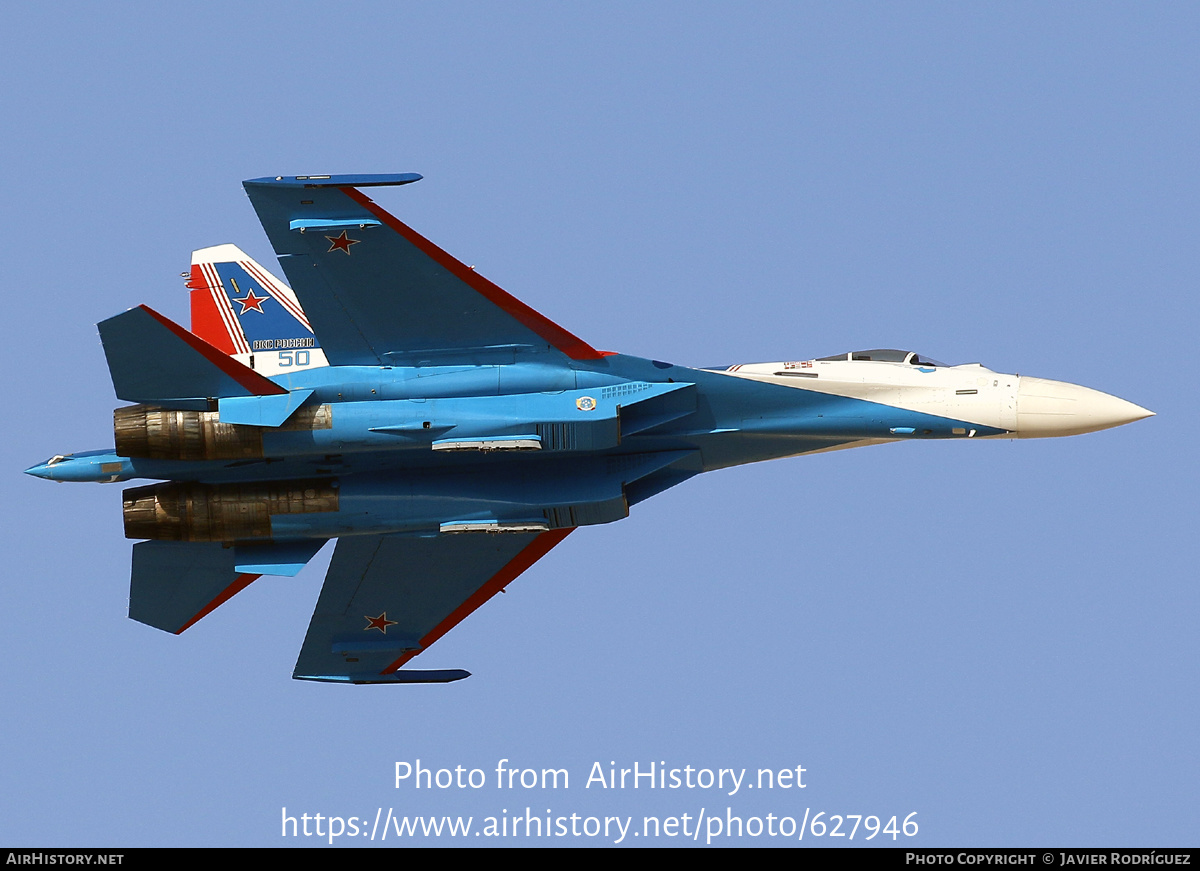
1056, 408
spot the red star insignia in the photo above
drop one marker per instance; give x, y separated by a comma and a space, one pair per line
381, 623
251, 302
341, 243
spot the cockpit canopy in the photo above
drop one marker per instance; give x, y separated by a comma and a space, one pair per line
887, 355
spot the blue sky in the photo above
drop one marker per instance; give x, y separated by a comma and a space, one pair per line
998, 636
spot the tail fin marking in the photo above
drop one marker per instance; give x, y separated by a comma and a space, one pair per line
241, 308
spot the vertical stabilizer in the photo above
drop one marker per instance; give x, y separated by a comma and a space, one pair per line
244, 310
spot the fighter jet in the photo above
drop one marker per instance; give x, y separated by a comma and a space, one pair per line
447, 435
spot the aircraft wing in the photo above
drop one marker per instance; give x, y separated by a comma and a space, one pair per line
388, 597
378, 293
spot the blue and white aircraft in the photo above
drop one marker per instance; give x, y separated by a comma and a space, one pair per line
447, 435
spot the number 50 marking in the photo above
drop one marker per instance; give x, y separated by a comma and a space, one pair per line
293, 358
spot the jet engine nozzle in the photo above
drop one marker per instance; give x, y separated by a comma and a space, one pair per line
188, 511
1056, 408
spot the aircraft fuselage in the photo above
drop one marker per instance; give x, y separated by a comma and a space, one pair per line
493, 421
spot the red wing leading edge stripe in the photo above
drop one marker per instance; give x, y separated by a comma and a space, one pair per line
239, 583
532, 552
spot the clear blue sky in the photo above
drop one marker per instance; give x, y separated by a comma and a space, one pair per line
999, 636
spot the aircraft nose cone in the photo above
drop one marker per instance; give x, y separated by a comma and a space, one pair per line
1056, 408
41, 470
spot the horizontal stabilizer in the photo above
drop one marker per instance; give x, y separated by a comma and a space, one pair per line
176, 583
153, 359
